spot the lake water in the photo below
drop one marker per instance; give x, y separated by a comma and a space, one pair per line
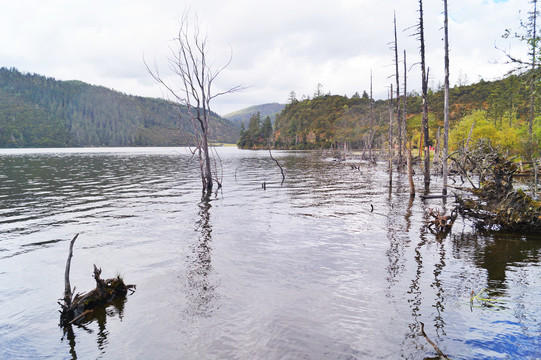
301, 270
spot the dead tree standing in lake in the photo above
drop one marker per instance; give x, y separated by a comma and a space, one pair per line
398, 117
193, 88
424, 119
404, 103
391, 135
371, 134
445, 99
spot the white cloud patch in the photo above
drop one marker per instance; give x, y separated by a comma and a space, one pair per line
278, 46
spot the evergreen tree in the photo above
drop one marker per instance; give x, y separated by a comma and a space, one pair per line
254, 129
266, 129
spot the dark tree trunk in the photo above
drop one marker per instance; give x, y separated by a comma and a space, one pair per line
424, 120
446, 100
398, 117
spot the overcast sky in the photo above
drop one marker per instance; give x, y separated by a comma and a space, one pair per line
278, 46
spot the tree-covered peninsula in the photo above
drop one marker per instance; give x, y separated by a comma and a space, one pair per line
497, 110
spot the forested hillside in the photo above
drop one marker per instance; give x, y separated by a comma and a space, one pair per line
37, 111
331, 120
243, 116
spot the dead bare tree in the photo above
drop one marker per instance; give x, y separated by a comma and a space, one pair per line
424, 119
391, 134
193, 87
397, 78
445, 98
404, 103
371, 135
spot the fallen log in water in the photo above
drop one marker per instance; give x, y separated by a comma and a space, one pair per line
438, 351
436, 196
79, 305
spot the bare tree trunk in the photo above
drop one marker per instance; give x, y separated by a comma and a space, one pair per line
446, 100
277, 163
68, 295
404, 101
400, 160
533, 68
391, 116
467, 145
193, 89
533, 186
424, 121
371, 135
437, 149
207, 175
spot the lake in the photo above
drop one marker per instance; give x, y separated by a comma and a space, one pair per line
299, 270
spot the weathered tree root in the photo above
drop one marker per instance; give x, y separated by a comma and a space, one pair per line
496, 204
441, 224
77, 306
494, 209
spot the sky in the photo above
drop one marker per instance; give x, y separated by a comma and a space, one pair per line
277, 46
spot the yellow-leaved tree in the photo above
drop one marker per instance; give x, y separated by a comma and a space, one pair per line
481, 127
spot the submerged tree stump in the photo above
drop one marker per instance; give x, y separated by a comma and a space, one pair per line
77, 306
441, 224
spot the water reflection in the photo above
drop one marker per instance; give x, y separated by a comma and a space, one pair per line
415, 293
99, 315
426, 264
439, 322
397, 230
306, 270
201, 291
408, 214
496, 253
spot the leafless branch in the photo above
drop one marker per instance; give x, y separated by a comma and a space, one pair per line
193, 89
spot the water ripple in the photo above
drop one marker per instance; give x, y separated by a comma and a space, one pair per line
333, 263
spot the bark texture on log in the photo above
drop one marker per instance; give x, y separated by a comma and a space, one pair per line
496, 204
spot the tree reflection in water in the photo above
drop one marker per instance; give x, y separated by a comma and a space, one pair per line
199, 266
495, 253
100, 316
502, 260
418, 297
397, 232
439, 322
415, 293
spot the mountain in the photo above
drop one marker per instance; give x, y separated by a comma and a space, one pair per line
243, 116
38, 111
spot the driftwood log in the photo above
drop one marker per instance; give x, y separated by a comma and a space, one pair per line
438, 351
277, 163
76, 306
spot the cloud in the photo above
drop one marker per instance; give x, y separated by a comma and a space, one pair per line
278, 46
